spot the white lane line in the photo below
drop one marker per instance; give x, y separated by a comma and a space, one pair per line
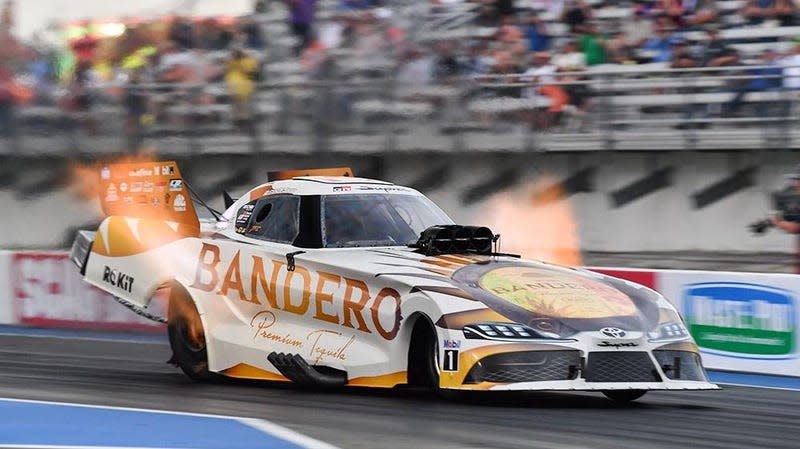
261, 425
156, 340
285, 434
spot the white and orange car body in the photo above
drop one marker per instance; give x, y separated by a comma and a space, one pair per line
501, 323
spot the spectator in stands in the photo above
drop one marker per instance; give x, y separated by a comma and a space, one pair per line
476, 62
786, 12
618, 49
758, 11
716, 53
592, 46
689, 13
505, 64
416, 69
791, 69
766, 78
542, 76
252, 36
240, 75
135, 101
659, 47
681, 56
700, 12
7, 103
182, 33
510, 36
504, 8
536, 33
80, 96
570, 58
445, 64
301, 19
175, 63
639, 29
84, 47
576, 14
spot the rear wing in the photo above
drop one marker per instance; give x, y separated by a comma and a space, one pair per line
151, 190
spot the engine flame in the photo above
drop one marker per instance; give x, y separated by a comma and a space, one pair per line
536, 222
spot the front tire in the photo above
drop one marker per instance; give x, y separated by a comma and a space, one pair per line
423, 356
624, 396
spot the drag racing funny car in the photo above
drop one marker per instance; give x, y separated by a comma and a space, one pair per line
324, 279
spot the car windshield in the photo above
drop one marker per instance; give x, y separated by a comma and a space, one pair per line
377, 219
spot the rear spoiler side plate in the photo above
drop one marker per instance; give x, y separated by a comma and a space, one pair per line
81, 248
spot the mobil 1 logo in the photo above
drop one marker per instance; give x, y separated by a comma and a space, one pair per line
450, 359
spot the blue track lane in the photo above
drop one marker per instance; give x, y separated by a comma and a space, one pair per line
49, 424
754, 380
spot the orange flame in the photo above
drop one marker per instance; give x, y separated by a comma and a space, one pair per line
536, 222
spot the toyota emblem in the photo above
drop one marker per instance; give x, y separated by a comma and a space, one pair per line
613, 332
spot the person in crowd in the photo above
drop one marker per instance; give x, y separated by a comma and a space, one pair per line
638, 29
791, 69
765, 78
659, 46
757, 11
135, 101
240, 74
7, 103
570, 58
576, 14
682, 57
786, 12
301, 19
591, 45
504, 8
505, 64
80, 97
699, 13
476, 62
536, 34
182, 33
252, 36
84, 47
510, 37
618, 49
542, 76
415, 69
788, 224
445, 64
716, 53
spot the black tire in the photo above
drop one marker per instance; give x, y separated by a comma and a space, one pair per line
624, 395
423, 356
188, 353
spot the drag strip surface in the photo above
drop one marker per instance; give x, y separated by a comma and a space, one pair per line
134, 374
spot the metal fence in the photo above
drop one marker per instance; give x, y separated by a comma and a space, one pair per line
366, 109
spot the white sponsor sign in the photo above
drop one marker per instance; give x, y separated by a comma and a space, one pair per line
741, 321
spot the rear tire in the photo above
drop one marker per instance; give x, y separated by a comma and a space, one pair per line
624, 396
188, 344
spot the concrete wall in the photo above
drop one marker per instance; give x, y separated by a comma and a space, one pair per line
663, 221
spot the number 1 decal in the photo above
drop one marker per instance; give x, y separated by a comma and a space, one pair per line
450, 362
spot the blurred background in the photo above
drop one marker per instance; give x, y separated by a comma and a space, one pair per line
616, 133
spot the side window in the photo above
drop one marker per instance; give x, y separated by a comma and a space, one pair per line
275, 219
